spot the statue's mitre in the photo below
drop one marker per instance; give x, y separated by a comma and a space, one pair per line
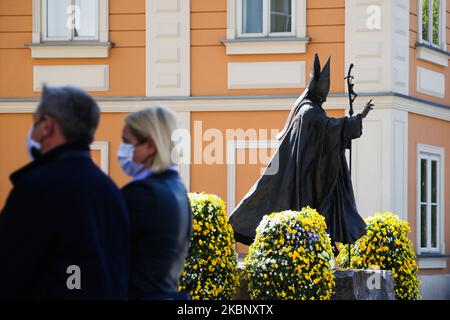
319, 82
316, 91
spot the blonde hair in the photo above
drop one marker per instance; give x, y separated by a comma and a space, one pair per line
156, 123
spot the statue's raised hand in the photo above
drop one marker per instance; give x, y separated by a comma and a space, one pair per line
367, 109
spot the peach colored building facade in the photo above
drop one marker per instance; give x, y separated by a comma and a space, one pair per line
238, 64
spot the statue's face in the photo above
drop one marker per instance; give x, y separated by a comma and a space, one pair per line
318, 99
322, 101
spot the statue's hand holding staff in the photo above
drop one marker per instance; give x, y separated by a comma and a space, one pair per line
369, 106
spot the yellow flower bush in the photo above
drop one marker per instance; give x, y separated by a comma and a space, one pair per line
210, 270
387, 247
291, 258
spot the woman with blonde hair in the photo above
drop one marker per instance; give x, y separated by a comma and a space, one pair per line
160, 213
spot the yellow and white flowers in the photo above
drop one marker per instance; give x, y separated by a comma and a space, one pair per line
291, 257
211, 267
387, 247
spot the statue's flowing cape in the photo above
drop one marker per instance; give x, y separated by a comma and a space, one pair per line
308, 169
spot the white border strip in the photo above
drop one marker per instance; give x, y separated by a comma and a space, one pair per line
232, 147
103, 147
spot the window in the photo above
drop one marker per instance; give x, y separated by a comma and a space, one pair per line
262, 18
430, 199
70, 20
432, 26
266, 27
70, 29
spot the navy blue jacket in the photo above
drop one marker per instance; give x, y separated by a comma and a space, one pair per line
64, 211
161, 226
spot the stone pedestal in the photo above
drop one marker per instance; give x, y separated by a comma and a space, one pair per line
350, 285
364, 285
242, 291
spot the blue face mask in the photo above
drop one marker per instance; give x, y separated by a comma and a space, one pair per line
33, 147
125, 157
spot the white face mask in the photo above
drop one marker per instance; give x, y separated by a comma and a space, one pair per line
33, 147
125, 157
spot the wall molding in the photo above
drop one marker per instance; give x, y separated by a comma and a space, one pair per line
265, 46
379, 47
430, 82
87, 77
367, 151
434, 286
232, 147
383, 148
69, 50
432, 263
242, 103
400, 162
167, 48
432, 55
184, 167
103, 147
274, 74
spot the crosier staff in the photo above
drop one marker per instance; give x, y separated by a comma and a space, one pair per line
352, 95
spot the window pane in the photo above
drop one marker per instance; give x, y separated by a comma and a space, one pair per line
434, 181
436, 10
423, 226
252, 16
280, 15
434, 226
86, 18
57, 18
423, 180
425, 20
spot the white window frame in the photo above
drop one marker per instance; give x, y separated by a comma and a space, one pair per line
70, 37
232, 147
43, 26
276, 43
442, 24
266, 22
429, 153
83, 47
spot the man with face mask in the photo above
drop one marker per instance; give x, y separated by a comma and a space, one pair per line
64, 230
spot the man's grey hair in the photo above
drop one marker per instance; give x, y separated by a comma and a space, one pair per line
76, 112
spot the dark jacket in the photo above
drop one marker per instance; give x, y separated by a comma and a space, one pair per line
64, 211
161, 224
